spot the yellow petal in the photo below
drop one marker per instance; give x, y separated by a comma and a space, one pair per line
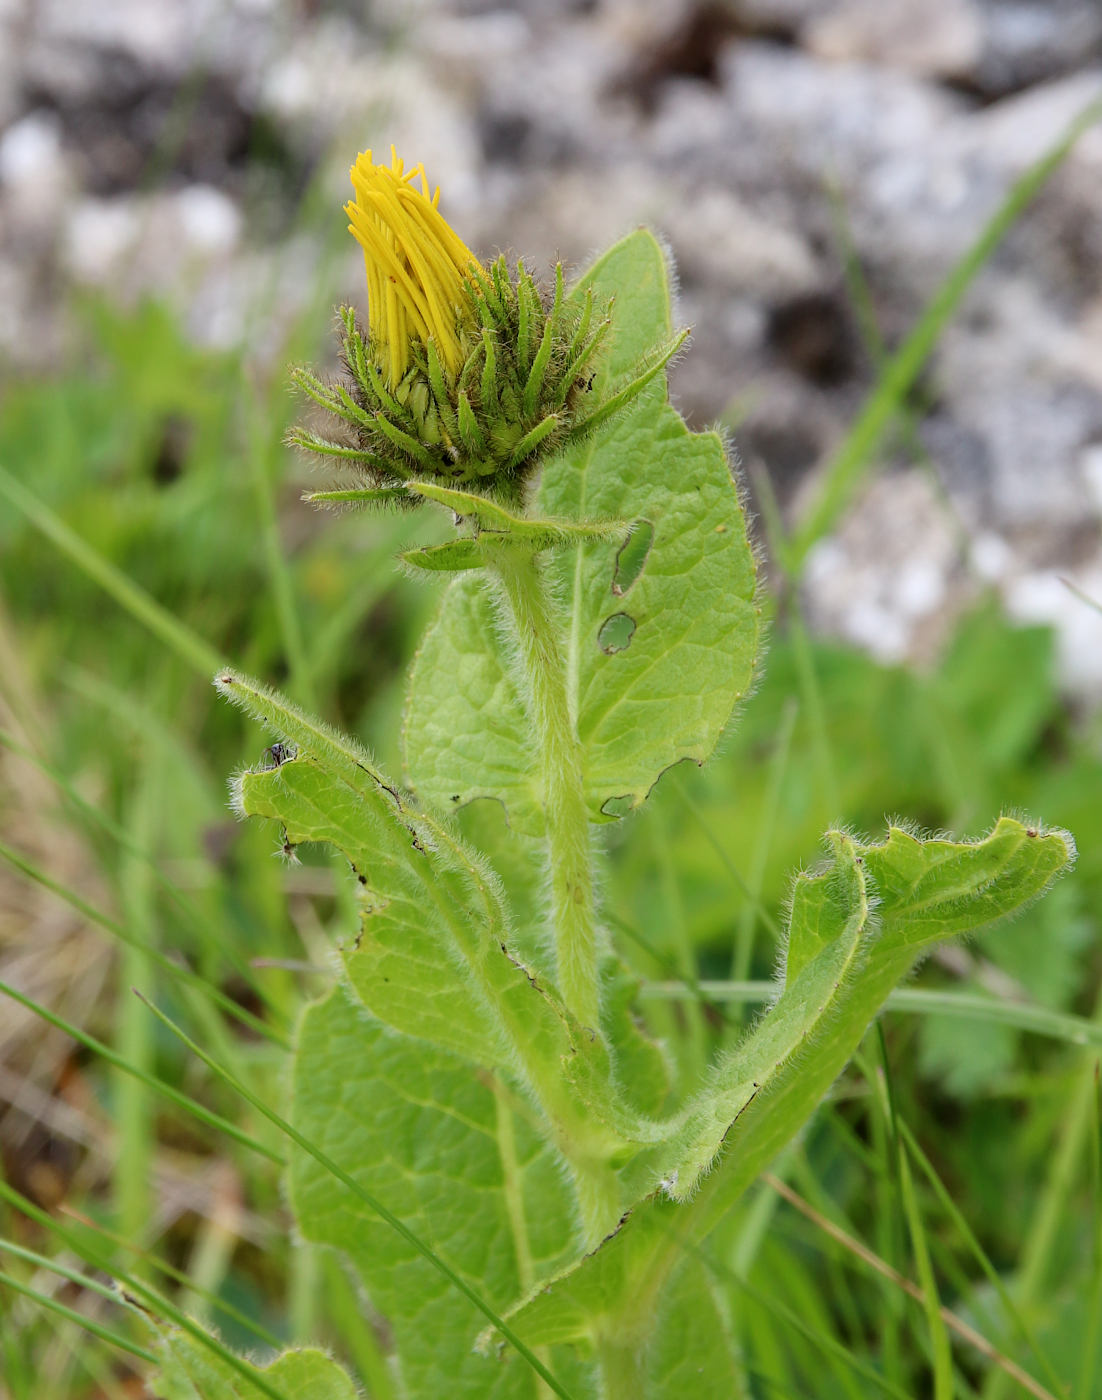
417, 265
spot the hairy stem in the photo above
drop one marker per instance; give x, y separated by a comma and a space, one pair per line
558, 761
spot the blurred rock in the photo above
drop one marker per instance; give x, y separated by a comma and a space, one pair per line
817, 167
939, 38
1069, 600
1030, 41
882, 580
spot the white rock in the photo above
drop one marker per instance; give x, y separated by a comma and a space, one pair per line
31, 150
884, 577
99, 235
919, 588
874, 626
1013, 133
991, 557
157, 33
1090, 466
209, 219
1027, 41
941, 38
1045, 597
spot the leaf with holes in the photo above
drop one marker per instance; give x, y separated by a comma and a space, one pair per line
660, 629
432, 959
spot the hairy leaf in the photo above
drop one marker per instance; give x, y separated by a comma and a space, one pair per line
191, 1371
925, 891
692, 1352
432, 958
449, 1152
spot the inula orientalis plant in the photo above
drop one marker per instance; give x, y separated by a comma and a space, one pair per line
479, 1124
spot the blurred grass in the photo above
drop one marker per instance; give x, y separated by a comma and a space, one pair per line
149, 526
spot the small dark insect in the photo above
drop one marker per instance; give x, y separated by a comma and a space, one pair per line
279, 754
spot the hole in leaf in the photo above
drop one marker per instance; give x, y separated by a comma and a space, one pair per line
618, 806
616, 633
631, 556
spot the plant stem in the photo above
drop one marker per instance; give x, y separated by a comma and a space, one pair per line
559, 767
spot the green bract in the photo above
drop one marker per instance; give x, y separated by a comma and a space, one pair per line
523, 390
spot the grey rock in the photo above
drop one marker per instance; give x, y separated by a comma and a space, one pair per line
1030, 41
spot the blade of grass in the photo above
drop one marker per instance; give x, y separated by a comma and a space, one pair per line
860, 296
356, 1331
16, 1364
1088, 1354
888, 1216
71, 1315
966, 1333
190, 1105
133, 1199
931, 1301
851, 461
811, 697
55, 1266
152, 1261
805, 1296
147, 1300
917, 1001
992, 1274
743, 949
834, 1279
138, 603
692, 1043
264, 445
740, 883
80, 1245
822, 1341
1074, 1115
335, 1170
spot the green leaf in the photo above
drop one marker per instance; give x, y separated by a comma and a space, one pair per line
453, 556
359, 495
190, 1371
431, 959
642, 1066
856, 928
668, 693
448, 1151
465, 733
693, 1352
931, 889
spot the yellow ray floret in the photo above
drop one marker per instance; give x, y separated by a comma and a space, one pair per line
417, 266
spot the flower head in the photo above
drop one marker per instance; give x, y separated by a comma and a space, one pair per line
418, 267
469, 374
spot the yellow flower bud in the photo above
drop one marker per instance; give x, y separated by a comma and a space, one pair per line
417, 265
